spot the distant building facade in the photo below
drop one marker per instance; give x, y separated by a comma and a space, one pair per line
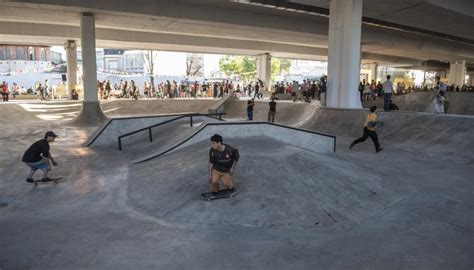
24, 58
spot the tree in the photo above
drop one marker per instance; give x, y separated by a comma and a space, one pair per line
243, 66
246, 66
280, 67
150, 58
194, 64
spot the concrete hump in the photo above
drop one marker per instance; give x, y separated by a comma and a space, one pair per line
305, 139
278, 185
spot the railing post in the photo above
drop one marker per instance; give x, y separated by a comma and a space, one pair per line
191, 120
120, 144
151, 136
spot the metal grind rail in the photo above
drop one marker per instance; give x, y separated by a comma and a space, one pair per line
149, 128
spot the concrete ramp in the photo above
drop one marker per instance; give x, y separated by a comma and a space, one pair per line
308, 140
276, 185
37, 112
154, 106
459, 103
423, 132
288, 113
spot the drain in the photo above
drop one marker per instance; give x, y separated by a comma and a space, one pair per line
3, 205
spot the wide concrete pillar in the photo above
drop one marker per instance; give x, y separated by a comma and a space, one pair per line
345, 21
91, 113
71, 58
457, 73
264, 69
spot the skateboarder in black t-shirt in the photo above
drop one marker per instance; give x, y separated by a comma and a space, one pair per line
37, 156
222, 162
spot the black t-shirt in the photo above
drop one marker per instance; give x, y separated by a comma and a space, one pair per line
37, 151
273, 106
223, 161
250, 105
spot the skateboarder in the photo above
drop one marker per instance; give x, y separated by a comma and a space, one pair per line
369, 130
222, 162
37, 156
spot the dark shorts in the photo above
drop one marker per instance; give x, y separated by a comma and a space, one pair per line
40, 165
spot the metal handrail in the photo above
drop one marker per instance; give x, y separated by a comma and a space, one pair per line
165, 122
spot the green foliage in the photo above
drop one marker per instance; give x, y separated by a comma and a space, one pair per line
280, 67
243, 66
246, 66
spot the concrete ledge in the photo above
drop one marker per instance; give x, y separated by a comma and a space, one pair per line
309, 140
112, 128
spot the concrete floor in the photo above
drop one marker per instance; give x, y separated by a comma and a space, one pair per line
403, 208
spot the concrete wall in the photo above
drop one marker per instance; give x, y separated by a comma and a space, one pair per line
459, 103
299, 138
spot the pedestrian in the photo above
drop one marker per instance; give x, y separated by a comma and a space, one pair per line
272, 110
37, 156
250, 105
369, 130
387, 90
223, 159
323, 88
440, 96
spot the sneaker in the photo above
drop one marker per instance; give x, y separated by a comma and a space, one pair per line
231, 190
46, 179
29, 180
378, 150
352, 145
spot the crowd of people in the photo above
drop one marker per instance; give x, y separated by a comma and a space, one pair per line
173, 89
304, 91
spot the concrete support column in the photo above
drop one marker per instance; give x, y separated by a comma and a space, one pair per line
457, 73
71, 57
89, 67
91, 113
264, 69
345, 23
373, 72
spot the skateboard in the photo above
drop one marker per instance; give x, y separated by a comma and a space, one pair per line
53, 180
208, 196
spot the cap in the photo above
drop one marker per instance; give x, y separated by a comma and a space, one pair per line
50, 134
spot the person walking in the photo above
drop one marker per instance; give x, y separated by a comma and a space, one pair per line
250, 105
388, 91
272, 110
223, 159
440, 96
323, 88
38, 157
369, 130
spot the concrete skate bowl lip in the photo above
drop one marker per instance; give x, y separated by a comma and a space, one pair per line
333, 195
201, 130
174, 117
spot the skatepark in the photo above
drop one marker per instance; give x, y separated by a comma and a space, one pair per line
137, 88
410, 205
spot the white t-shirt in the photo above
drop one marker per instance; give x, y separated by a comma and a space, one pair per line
388, 87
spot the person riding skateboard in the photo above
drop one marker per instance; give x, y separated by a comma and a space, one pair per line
369, 130
223, 159
37, 156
